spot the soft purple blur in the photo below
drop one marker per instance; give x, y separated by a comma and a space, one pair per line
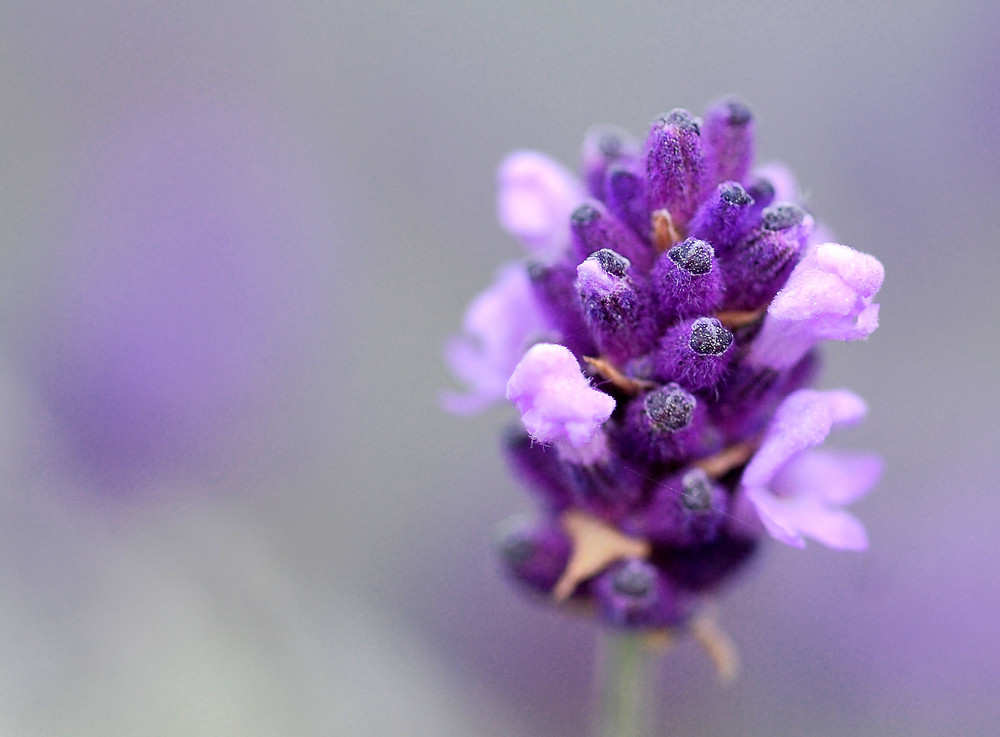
347, 585
196, 267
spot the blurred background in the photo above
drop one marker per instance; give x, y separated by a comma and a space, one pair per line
233, 239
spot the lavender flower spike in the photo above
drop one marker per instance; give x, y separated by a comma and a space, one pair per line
798, 493
556, 401
828, 296
681, 299
536, 196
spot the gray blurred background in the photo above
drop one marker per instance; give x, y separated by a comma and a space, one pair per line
233, 238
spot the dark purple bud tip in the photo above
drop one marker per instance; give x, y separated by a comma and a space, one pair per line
515, 547
611, 262
678, 118
709, 337
736, 111
696, 492
693, 255
534, 554
610, 143
732, 193
634, 579
762, 191
669, 408
603, 146
782, 217
585, 214
623, 183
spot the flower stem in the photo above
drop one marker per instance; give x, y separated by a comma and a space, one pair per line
622, 706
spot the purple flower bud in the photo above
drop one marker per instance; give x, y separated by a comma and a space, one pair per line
554, 288
634, 593
728, 133
663, 426
762, 192
556, 401
686, 280
694, 353
604, 146
723, 219
761, 265
625, 193
782, 181
594, 228
683, 510
606, 489
534, 554
536, 197
539, 467
618, 318
675, 166
707, 566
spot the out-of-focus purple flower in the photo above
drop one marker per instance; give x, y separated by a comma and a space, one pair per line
186, 293
700, 293
799, 492
536, 197
556, 401
499, 325
827, 297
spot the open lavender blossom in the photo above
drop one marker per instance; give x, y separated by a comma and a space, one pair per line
658, 344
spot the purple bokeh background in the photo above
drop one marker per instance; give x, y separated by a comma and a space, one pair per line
233, 240
194, 270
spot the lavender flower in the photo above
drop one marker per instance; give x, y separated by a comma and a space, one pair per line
658, 347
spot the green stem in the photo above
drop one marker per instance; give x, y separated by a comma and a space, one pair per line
623, 686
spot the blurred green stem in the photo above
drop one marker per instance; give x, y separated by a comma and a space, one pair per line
622, 706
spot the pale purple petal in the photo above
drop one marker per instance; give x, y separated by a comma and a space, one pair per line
534, 200
498, 327
769, 510
797, 492
556, 401
828, 296
835, 476
791, 519
803, 420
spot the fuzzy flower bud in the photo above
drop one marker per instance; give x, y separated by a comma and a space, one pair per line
728, 134
595, 229
613, 307
694, 353
556, 401
827, 297
605, 146
675, 165
686, 280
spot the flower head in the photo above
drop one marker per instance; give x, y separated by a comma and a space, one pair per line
657, 346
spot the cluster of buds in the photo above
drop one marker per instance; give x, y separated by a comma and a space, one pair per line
658, 343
